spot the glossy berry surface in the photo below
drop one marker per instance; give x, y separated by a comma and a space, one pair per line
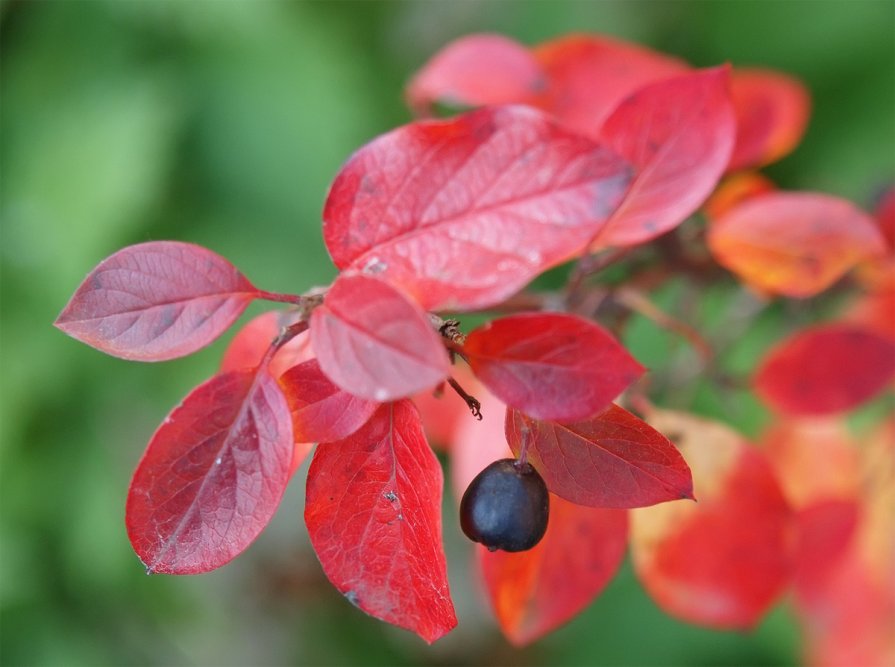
506, 507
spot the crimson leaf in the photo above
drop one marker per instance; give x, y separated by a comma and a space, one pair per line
374, 342
611, 460
551, 366
212, 475
156, 301
374, 517
679, 133
463, 213
321, 412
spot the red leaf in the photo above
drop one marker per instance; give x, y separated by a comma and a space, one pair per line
825, 532
551, 366
474, 71
772, 112
721, 562
825, 369
156, 301
251, 342
374, 342
612, 460
588, 76
321, 412
534, 592
679, 134
374, 516
463, 213
212, 475
793, 243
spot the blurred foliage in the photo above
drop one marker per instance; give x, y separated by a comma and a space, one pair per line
222, 123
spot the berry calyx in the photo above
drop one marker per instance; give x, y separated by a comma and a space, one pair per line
506, 507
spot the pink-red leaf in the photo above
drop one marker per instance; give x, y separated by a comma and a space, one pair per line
589, 75
534, 592
156, 301
549, 365
793, 243
826, 369
463, 213
374, 342
611, 460
321, 412
721, 562
772, 112
678, 133
212, 475
374, 516
476, 70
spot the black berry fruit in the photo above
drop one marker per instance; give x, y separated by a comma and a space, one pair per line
506, 507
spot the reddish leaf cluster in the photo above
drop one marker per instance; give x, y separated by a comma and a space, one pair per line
588, 143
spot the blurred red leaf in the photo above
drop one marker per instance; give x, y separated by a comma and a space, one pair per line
550, 365
463, 213
825, 530
374, 517
612, 460
885, 217
251, 342
534, 592
321, 412
589, 75
875, 312
156, 301
793, 243
476, 70
721, 562
825, 369
678, 133
374, 342
772, 111
212, 475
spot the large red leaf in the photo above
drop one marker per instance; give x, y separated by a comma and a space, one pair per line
374, 516
825, 369
463, 213
793, 243
589, 75
374, 342
156, 301
772, 111
611, 460
534, 592
721, 562
321, 412
476, 70
212, 475
251, 342
550, 365
678, 133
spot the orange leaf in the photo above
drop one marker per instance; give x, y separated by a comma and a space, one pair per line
734, 190
721, 562
793, 243
533, 592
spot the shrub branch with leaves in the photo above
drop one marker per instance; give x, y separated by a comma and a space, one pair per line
583, 149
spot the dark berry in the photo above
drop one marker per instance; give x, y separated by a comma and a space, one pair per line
506, 507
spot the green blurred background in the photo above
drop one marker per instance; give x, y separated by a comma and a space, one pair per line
222, 123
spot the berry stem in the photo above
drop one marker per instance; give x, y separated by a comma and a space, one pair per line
522, 459
471, 402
